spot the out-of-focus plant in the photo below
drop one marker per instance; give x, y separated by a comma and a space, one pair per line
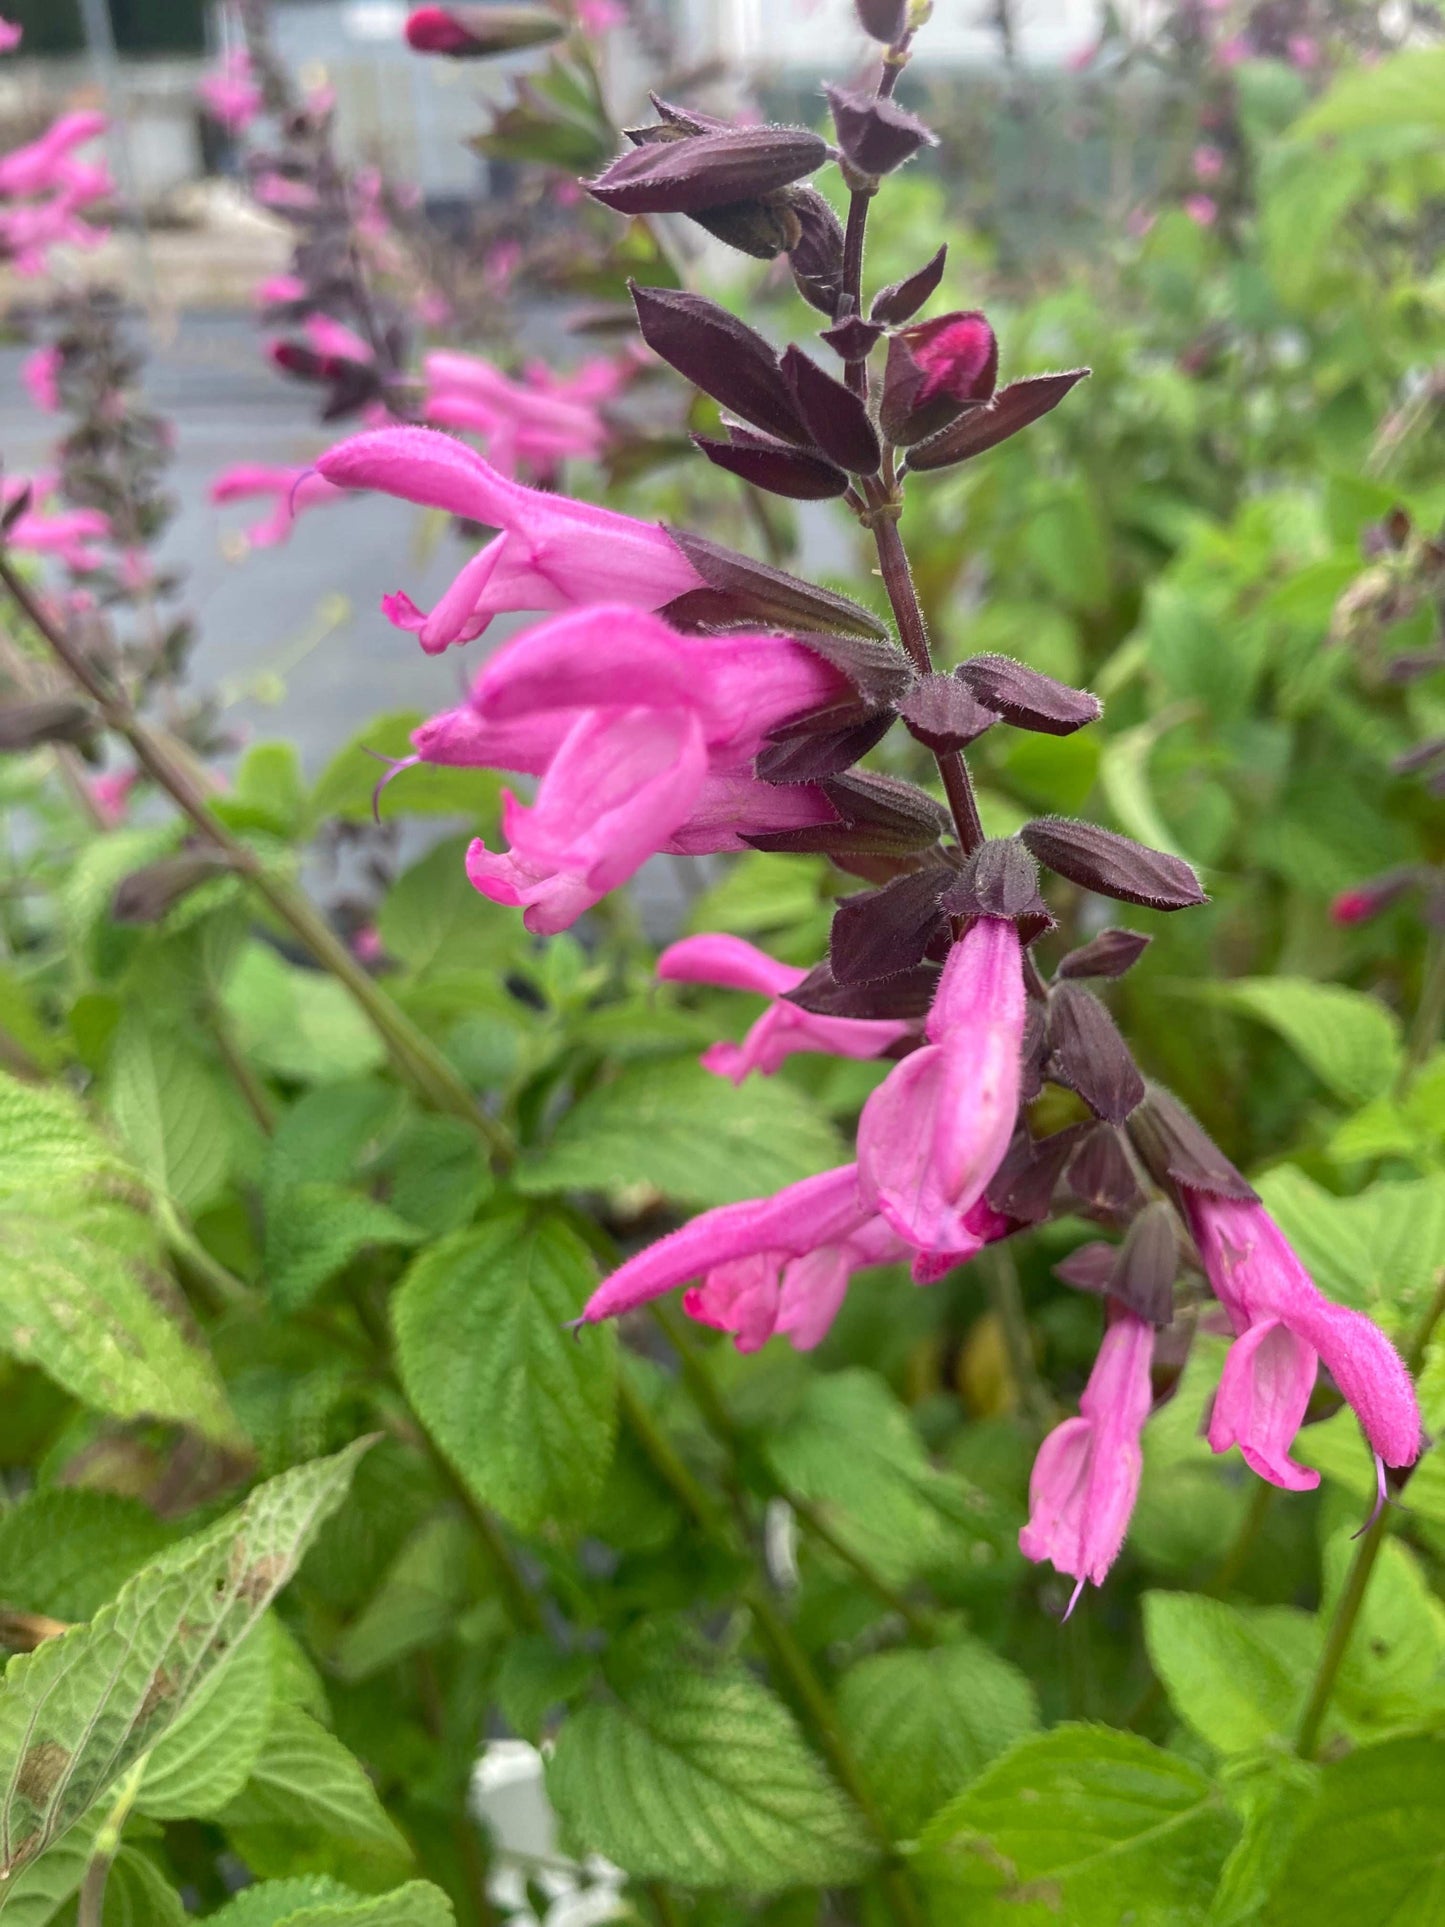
305, 1210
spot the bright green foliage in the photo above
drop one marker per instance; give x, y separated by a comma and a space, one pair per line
1099, 1825
137, 1894
1236, 1676
77, 1291
704, 1779
77, 1713
925, 1723
65, 1552
320, 1902
315, 1230
693, 1136
1348, 1040
170, 1109
524, 1411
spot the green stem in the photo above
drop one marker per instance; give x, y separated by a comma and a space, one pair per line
416, 1058
1352, 1597
1429, 1012
1002, 1277
90, 1907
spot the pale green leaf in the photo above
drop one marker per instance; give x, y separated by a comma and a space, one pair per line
535, 1678
169, 1108
66, 1550
298, 1023
1371, 1848
417, 1602
78, 1712
1236, 1675
1350, 1041
33, 1896
137, 1894
207, 1756
315, 1230
1407, 87
438, 1174
1380, 1249
704, 1780
524, 1411
309, 1806
320, 1902
922, 1724
692, 1136
433, 918
1083, 1825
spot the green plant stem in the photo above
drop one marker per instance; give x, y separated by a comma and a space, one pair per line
90, 1906
723, 1426
253, 1091
1429, 1012
1357, 1581
416, 1058
806, 1689
1002, 1276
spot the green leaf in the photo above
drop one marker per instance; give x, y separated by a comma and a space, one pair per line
851, 1449
348, 783
207, 1756
1370, 1850
1273, 1799
417, 1602
534, 1679
433, 919
82, 1280
66, 1550
315, 1230
703, 1780
439, 1174
32, 1897
692, 1136
80, 1710
1405, 89
334, 1135
319, 1902
309, 1806
1350, 1042
1390, 1676
20, 1018
269, 793
924, 1723
525, 1412
170, 1108
137, 1894
298, 1023
1082, 1825
1235, 1675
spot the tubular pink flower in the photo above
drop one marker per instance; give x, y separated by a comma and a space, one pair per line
1086, 1475
553, 553
936, 1129
39, 166
231, 94
1208, 162
524, 424
783, 1028
293, 489
1283, 1325
778, 1264
66, 533
111, 795
11, 35
279, 290
1202, 209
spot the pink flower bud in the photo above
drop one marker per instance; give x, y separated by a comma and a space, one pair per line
1208, 163
1202, 209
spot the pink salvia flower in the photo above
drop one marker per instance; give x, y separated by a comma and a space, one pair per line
292, 489
670, 771
783, 1028
1208, 163
958, 354
231, 94
66, 533
596, 16
111, 795
1283, 1326
778, 1264
553, 553
10, 35
1086, 1475
279, 290
1202, 209
935, 1130
41, 165
522, 425
41, 374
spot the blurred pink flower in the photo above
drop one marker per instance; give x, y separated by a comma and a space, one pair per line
1208, 163
40, 372
367, 946
533, 425
596, 16
10, 35
68, 534
293, 489
500, 265
1304, 51
111, 795
1139, 221
1202, 209
45, 163
275, 190
231, 93
1233, 52
279, 290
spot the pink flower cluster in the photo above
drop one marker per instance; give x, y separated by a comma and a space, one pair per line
231, 94
644, 739
531, 425
67, 534
43, 190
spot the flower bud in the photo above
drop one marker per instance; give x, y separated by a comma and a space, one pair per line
1028, 698
50, 719
901, 300
883, 20
943, 714
474, 33
936, 370
147, 894
1365, 901
874, 132
1088, 1055
705, 171
816, 255
1177, 1151
1113, 865
1109, 954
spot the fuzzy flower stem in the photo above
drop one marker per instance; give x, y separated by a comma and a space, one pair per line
416, 1058
1347, 1608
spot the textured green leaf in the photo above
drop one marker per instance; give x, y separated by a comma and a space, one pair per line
33, 1896
417, 1602
524, 1411
1371, 1848
78, 1712
1236, 1675
335, 1135
433, 919
1273, 1799
439, 1174
1082, 1825
693, 1136
1390, 1677
923, 1724
704, 1780
851, 1448
207, 1756
309, 1806
319, 1902
315, 1230
137, 1894
169, 1108
81, 1285
1350, 1042
298, 1023
66, 1550
535, 1678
